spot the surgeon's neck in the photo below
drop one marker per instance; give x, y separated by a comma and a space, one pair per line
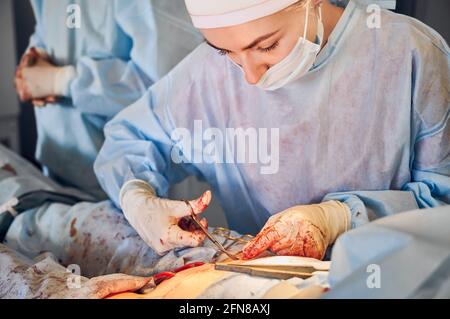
331, 15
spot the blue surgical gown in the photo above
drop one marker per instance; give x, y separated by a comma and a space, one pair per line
120, 48
368, 125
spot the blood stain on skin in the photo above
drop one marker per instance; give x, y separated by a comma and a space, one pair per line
73, 230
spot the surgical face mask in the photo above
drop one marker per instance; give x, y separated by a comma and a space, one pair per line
297, 63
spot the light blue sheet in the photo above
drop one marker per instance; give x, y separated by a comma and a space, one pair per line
402, 256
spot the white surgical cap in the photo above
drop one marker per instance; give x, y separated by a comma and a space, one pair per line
208, 14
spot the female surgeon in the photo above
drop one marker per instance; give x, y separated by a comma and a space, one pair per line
360, 99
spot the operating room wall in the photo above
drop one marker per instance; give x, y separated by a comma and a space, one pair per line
435, 13
24, 26
9, 108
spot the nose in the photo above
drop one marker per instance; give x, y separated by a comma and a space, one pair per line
253, 70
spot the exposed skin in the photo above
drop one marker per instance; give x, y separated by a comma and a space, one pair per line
288, 26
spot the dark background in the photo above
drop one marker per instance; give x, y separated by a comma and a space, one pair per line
434, 13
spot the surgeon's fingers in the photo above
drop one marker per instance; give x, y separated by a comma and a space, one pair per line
50, 99
107, 285
180, 209
281, 245
38, 102
22, 91
19, 82
204, 222
289, 235
44, 101
200, 204
30, 58
308, 242
283, 252
25, 61
18, 76
181, 238
263, 241
21, 86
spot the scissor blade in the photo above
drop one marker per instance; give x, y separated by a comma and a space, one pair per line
211, 238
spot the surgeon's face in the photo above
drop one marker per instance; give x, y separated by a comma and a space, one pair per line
258, 45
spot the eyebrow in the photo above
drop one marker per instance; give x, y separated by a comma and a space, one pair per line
251, 45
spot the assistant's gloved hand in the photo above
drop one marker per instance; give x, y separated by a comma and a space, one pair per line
162, 223
29, 59
304, 231
38, 79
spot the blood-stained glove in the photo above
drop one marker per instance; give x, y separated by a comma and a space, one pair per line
162, 223
37, 79
304, 231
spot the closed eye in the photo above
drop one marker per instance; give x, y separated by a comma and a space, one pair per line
270, 48
223, 52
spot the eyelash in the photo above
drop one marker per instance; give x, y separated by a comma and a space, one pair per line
272, 47
265, 50
223, 52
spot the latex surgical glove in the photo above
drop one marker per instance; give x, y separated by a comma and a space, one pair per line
162, 223
29, 59
304, 231
37, 79
44, 101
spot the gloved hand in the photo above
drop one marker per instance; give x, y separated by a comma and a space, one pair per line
158, 220
37, 79
304, 231
29, 59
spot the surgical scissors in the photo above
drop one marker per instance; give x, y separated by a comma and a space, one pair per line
206, 232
